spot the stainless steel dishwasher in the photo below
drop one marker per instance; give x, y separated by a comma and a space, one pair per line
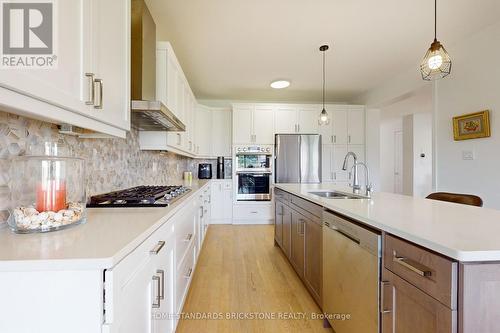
351, 275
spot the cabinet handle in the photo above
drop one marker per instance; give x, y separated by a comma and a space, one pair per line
190, 145
156, 302
331, 138
334, 176
162, 284
202, 212
334, 139
349, 139
383, 284
157, 248
298, 128
188, 237
179, 139
99, 83
188, 275
91, 100
412, 265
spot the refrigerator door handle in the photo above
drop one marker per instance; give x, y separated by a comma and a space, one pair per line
300, 158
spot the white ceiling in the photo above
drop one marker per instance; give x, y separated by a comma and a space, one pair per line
233, 49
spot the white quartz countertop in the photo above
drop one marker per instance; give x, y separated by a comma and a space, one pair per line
461, 232
107, 237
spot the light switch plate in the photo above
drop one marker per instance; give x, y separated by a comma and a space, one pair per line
467, 155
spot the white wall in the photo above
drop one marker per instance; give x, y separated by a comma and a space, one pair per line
473, 86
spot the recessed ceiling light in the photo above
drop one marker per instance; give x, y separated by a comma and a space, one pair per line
280, 84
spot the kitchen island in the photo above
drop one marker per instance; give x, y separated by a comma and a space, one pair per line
440, 261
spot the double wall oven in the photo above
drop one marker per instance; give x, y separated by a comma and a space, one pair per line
253, 172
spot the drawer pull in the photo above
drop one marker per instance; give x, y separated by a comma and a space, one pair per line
157, 248
188, 237
383, 284
162, 284
188, 275
412, 266
156, 302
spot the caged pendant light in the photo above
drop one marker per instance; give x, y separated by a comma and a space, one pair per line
436, 63
324, 119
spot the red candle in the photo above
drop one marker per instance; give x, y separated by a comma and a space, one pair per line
51, 196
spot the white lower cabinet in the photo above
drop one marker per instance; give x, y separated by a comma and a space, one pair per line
222, 201
146, 291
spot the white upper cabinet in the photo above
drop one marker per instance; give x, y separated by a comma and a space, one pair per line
204, 129
263, 125
242, 124
339, 120
221, 132
92, 37
285, 119
356, 125
110, 23
308, 119
253, 124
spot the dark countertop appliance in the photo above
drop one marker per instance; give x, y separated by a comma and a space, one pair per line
204, 171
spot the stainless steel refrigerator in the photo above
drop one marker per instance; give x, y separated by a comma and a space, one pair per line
297, 158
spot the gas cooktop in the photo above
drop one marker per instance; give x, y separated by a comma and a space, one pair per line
140, 196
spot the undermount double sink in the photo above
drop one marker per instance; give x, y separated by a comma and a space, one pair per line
336, 195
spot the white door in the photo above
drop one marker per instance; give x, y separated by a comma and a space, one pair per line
172, 85
134, 313
339, 119
285, 120
356, 126
326, 160
221, 133
242, 124
65, 86
339, 152
308, 119
203, 130
263, 125
110, 41
398, 162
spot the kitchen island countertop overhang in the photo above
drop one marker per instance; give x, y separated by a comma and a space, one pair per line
461, 232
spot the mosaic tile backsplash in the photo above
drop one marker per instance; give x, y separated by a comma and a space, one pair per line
111, 164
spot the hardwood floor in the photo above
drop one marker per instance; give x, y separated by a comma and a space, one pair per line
241, 272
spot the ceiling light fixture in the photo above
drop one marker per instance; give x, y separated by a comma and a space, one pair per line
280, 84
324, 119
436, 63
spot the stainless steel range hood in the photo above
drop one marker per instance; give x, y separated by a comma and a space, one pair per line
148, 114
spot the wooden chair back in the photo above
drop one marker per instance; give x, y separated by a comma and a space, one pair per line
466, 199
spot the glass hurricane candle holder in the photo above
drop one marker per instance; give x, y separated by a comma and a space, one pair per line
47, 191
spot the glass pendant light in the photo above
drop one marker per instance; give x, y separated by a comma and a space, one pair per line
436, 63
324, 119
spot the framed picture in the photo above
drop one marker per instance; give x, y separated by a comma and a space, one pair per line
471, 126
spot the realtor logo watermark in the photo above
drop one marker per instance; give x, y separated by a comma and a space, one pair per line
28, 34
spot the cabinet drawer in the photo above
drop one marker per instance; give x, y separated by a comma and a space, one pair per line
259, 212
430, 272
281, 195
185, 232
308, 206
183, 277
